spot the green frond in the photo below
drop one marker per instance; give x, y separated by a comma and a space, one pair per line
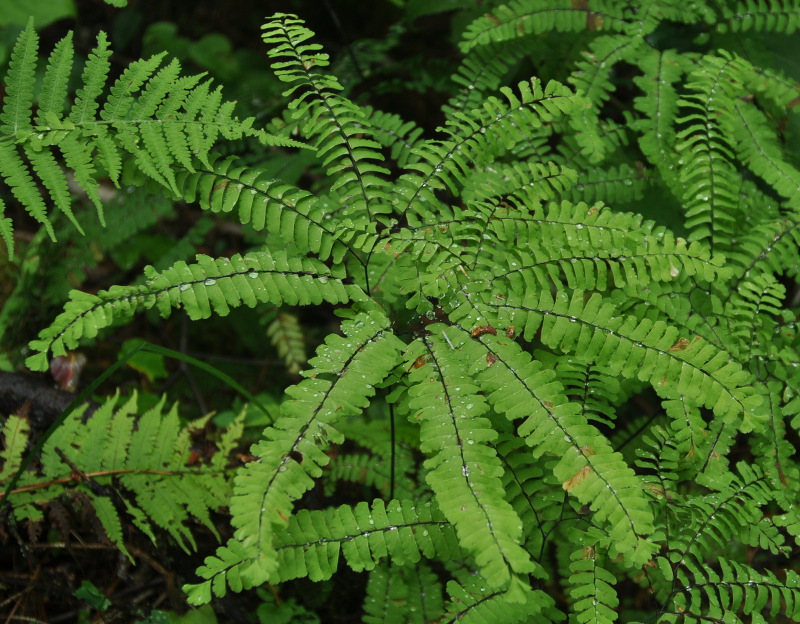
481, 73
752, 311
290, 455
762, 154
535, 267
649, 351
772, 446
395, 133
212, 285
476, 139
286, 336
297, 216
528, 183
14, 432
145, 455
708, 174
403, 595
473, 602
659, 106
760, 16
371, 470
402, 531
463, 469
612, 185
334, 123
734, 509
522, 18
592, 79
94, 76
587, 467
591, 589
53, 94
19, 83
532, 490
593, 387
735, 588
151, 117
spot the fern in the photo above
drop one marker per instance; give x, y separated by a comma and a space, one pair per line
151, 117
542, 403
144, 455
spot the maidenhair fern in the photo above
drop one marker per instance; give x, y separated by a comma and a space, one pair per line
568, 358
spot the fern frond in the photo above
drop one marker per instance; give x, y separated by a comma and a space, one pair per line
708, 175
478, 138
760, 16
333, 122
14, 432
736, 588
286, 336
650, 351
592, 78
592, 588
756, 302
532, 490
738, 503
371, 470
403, 595
528, 183
772, 247
587, 466
208, 286
522, 18
297, 216
19, 83
659, 104
145, 455
290, 455
463, 470
762, 154
402, 531
151, 117
472, 602
613, 185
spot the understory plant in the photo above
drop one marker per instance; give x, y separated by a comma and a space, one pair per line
566, 368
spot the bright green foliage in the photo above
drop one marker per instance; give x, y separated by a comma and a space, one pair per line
311, 544
568, 366
151, 118
125, 460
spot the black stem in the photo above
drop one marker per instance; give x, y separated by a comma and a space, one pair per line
392, 451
